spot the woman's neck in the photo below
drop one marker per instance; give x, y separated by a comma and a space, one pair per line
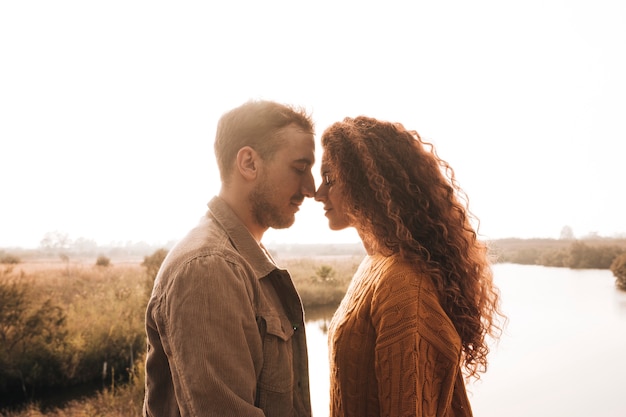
368, 243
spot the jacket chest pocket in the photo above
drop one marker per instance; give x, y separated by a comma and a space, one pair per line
277, 373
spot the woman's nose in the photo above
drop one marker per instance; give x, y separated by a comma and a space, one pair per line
320, 194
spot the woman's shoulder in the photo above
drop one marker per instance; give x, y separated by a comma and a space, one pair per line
405, 290
395, 273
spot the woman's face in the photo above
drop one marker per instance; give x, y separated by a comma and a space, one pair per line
331, 194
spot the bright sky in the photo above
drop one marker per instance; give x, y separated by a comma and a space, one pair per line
108, 109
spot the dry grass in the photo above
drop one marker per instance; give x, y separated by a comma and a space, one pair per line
314, 290
105, 308
104, 311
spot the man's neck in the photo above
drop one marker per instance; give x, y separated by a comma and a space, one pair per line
239, 204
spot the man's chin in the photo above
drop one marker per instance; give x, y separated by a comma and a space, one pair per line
284, 223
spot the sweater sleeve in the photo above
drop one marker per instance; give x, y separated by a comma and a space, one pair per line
415, 371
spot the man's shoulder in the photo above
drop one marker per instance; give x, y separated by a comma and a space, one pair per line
206, 240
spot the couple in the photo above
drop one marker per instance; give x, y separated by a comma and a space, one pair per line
225, 325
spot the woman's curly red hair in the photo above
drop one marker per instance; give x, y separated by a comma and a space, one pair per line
404, 199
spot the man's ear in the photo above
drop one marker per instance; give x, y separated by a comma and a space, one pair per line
248, 163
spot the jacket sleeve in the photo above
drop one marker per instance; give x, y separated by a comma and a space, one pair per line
211, 339
415, 377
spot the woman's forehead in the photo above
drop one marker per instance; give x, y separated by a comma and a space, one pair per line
325, 164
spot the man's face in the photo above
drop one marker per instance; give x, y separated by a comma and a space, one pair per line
285, 180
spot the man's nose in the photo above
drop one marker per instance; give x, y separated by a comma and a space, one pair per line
308, 186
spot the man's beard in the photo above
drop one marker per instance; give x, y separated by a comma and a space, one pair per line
265, 212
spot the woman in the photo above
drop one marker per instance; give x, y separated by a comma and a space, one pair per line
416, 315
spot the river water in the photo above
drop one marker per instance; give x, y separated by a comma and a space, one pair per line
563, 352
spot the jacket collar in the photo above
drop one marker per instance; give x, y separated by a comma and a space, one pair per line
254, 253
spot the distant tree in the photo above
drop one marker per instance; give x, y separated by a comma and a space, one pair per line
567, 233
526, 256
557, 258
85, 246
55, 242
583, 255
592, 235
618, 267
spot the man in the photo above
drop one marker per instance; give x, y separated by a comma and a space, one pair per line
225, 325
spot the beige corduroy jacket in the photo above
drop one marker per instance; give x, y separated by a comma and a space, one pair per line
225, 328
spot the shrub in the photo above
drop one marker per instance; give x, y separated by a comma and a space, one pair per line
103, 261
32, 332
321, 281
583, 255
120, 401
100, 321
7, 258
152, 264
618, 267
325, 273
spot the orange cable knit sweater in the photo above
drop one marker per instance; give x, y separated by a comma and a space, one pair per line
393, 350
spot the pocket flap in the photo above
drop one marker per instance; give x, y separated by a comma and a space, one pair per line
276, 327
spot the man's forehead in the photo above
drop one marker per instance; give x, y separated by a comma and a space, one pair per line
302, 140
298, 151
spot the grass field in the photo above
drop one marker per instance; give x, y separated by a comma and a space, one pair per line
61, 321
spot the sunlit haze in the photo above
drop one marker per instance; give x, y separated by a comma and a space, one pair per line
108, 109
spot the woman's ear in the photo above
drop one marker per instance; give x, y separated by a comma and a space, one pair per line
248, 163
